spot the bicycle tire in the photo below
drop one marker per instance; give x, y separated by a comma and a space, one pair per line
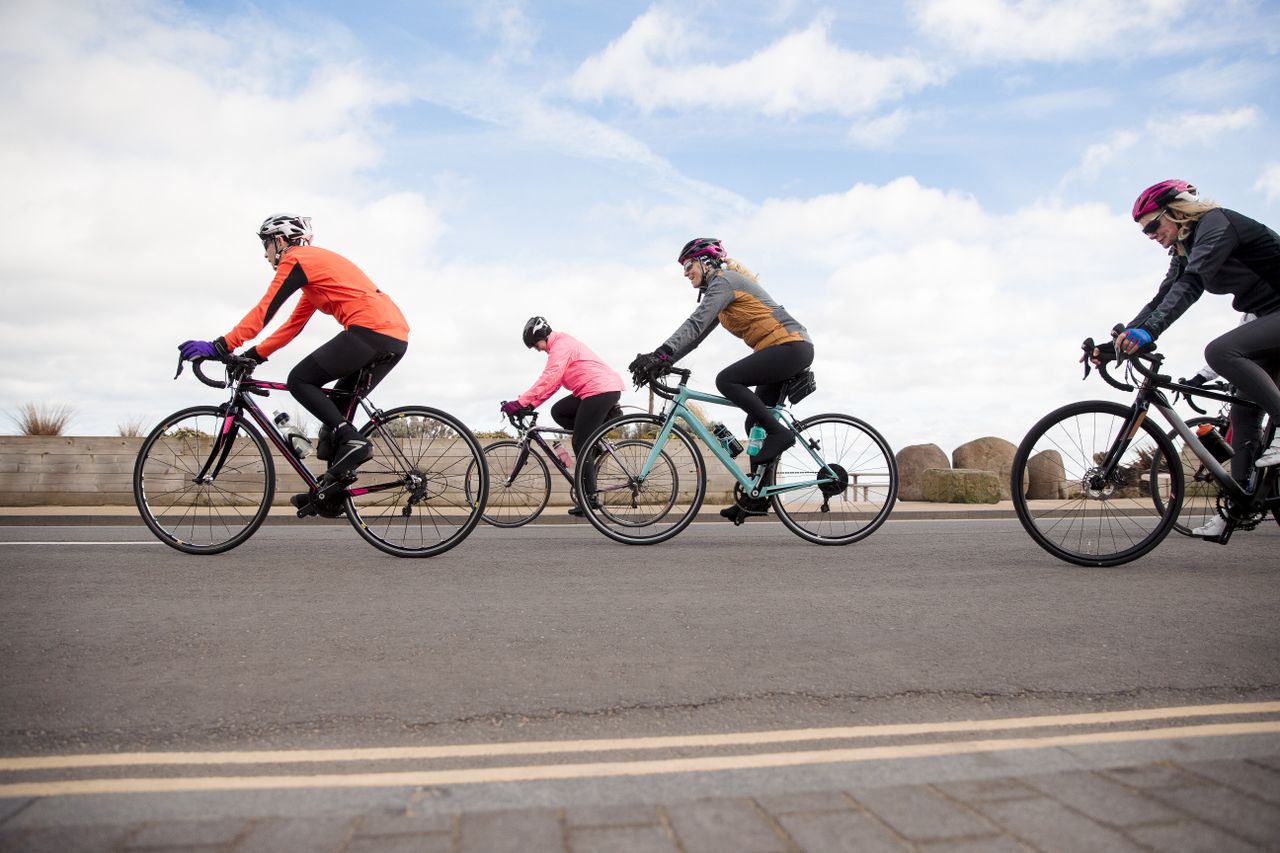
519, 502
1199, 494
637, 512
863, 460
1074, 515
438, 480
213, 516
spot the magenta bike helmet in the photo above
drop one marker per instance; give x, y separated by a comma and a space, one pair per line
708, 248
1158, 195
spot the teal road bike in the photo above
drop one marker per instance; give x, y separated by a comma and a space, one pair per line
645, 480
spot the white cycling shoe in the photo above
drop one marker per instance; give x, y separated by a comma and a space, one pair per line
1211, 529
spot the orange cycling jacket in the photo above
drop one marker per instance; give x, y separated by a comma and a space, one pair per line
329, 283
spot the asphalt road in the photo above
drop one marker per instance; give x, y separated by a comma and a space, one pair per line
306, 637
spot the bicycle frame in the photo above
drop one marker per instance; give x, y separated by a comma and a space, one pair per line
1151, 394
675, 409
240, 402
532, 434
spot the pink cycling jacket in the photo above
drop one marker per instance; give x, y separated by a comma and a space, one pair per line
571, 364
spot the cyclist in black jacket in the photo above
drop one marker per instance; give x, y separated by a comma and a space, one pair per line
1220, 251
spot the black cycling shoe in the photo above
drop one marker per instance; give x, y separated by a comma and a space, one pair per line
775, 444
308, 504
578, 512
349, 456
740, 512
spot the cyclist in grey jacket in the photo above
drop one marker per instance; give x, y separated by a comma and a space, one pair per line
729, 295
1220, 251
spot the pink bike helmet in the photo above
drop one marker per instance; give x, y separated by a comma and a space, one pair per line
1158, 195
703, 247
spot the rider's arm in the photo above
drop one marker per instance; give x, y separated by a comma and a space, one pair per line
289, 279
1176, 295
289, 330
703, 320
559, 354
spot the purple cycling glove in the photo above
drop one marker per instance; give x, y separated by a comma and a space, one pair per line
510, 407
191, 350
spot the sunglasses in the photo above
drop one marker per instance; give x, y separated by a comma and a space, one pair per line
688, 265
1150, 227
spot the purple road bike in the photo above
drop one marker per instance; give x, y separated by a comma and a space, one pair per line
205, 479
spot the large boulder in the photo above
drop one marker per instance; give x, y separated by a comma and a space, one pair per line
988, 454
1046, 477
961, 486
912, 463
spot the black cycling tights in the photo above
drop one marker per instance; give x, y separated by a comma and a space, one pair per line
584, 415
1248, 357
767, 368
341, 359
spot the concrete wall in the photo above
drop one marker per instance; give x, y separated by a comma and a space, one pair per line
98, 471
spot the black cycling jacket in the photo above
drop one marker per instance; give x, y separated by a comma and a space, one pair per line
1227, 252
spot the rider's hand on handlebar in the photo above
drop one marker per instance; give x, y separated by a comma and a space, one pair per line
252, 353
646, 365
509, 407
1195, 381
191, 350
1131, 340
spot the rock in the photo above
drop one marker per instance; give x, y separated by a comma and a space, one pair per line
961, 486
1046, 477
912, 462
988, 454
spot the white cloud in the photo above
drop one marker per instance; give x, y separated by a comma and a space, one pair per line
654, 66
881, 131
1047, 30
508, 21
1172, 131
1269, 181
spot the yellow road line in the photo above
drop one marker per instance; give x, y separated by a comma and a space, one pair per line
601, 770
130, 759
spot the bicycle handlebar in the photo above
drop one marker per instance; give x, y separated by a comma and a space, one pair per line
1135, 361
666, 391
234, 364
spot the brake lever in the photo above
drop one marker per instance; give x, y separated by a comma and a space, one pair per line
180, 364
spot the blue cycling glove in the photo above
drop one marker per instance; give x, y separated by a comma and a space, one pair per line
1141, 337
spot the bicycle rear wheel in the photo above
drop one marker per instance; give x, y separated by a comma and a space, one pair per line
516, 497
195, 501
851, 496
424, 489
638, 511
1199, 490
1077, 512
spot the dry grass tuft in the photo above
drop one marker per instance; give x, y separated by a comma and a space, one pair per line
44, 419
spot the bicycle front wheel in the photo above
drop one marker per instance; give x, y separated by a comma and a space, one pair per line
1083, 510
845, 481
424, 489
635, 509
200, 494
519, 484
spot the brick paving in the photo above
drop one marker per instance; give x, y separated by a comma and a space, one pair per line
1218, 806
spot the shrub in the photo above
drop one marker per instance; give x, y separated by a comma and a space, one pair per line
132, 427
44, 419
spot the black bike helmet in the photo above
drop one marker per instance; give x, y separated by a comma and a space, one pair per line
536, 329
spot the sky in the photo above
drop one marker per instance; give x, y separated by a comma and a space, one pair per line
939, 190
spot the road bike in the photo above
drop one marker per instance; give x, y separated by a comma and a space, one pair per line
1200, 490
519, 476
1097, 483
836, 485
204, 480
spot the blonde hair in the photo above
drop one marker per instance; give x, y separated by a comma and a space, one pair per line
736, 266
1184, 214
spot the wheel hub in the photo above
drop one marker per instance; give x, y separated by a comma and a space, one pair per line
1098, 487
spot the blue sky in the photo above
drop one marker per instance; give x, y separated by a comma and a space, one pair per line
938, 190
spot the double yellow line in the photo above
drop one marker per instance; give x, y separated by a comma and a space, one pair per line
643, 767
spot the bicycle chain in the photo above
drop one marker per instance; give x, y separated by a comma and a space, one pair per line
1247, 523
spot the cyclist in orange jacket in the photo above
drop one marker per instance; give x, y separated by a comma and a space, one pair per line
374, 330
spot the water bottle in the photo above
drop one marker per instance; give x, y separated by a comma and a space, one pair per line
563, 454
298, 441
755, 439
1214, 442
727, 441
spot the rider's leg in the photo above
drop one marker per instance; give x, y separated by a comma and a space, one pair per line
565, 412
590, 413
1248, 357
765, 367
340, 358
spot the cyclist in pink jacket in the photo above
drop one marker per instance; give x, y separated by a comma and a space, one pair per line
594, 387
